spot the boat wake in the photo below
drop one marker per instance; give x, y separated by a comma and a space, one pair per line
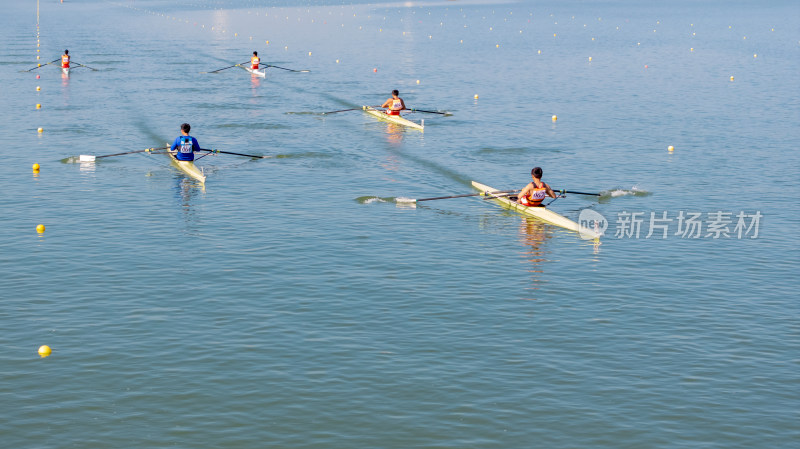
618, 192
374, 200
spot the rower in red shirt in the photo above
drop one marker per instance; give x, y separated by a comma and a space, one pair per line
535, 192
395, 104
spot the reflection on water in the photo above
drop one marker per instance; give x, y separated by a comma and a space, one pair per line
391, 163
534, 234
64, 87
87, 167
394, 134
187, 191
255, 83
596, 247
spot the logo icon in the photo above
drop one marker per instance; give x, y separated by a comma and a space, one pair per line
592, 220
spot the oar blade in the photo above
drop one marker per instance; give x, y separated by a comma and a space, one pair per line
402, 199
86, 158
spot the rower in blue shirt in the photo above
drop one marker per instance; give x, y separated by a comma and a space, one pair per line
185, 145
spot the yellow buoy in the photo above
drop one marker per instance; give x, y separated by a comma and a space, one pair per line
554, 118
670, 148
476, 96
38, 57
539, 52
35, 167
755, 55
417, 81
590, 59
44, 351
497, 46
731, 77
337, 61
40, 228
40, 130
309, 53
38, 106
691, 49
38, 88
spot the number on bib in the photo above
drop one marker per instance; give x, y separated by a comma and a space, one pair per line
186, 146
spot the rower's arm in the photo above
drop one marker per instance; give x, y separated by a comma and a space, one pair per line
525, 191
550, 192
386, 103
402, 104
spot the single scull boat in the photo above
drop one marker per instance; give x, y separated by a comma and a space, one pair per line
262, 73
542, 213
394, 118
187, 167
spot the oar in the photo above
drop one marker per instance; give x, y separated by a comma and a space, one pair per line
41, 65
577, 193
430, 112
412, 200
284, 68
89, 158
81, 65
255, 156
562, 192
225, 68
345, 110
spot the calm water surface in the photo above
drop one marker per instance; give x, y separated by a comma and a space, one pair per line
293, 303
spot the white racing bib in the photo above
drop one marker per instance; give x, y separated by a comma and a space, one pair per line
186, 146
